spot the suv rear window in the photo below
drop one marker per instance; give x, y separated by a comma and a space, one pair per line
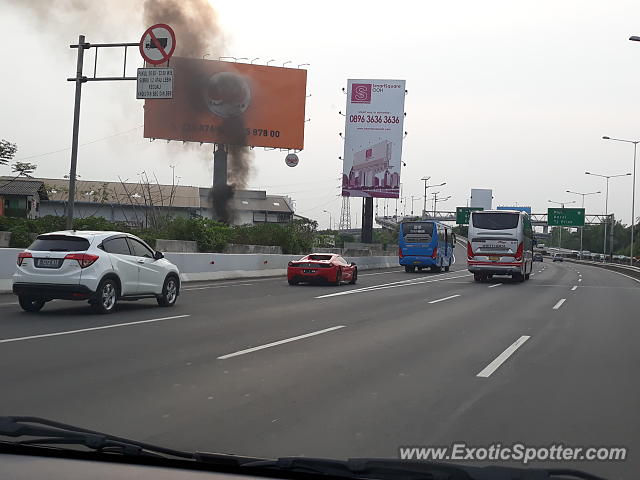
495, 221
59, 243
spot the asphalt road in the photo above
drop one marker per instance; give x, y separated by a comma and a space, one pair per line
257, 367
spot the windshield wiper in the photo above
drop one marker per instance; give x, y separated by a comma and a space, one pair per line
392, 469
47, 432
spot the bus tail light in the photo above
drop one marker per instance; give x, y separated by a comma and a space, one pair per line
435, 252
400, 252
469, 251
520, 251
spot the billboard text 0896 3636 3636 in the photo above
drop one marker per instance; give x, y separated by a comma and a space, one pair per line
373, 138
231, 103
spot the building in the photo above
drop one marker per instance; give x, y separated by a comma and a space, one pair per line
21, 197
136, 204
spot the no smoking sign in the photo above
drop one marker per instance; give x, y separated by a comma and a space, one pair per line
158, 44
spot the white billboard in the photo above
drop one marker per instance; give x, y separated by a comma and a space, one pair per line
373, 138
481, 197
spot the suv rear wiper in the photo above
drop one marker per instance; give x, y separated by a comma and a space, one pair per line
395, 469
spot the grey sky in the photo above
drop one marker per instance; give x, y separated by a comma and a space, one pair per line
513, 96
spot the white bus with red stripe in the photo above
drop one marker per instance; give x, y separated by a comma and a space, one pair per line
500, 243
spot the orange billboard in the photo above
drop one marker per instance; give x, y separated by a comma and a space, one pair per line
231, 103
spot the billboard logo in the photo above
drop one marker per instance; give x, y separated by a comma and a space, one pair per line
369, 153
361, 93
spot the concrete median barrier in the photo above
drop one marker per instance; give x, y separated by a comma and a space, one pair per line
214, 266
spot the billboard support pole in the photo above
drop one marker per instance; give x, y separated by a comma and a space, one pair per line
367, 220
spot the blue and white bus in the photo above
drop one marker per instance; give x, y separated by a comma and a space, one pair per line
425, 244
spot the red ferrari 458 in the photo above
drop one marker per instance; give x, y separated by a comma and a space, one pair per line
322, 267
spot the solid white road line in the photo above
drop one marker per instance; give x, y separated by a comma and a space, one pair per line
82, 330
391, 285
8, 304
380, 273
574, 287
559, 304
579, 279
207, 287
445, 298
500, 359
495, 285
279, 342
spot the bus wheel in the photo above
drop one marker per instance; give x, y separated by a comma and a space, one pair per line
409, 268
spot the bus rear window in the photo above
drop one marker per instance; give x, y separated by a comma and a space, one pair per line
417, 232
495, 221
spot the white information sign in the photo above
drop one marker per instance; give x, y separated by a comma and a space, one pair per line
373, 138
155, 83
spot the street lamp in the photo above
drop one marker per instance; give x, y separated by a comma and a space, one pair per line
606, 205
437, 199
412, 199
327, 211
582, 228
562, 204
425, 179
633, 189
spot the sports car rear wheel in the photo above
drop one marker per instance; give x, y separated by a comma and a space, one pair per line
338, 280
354, 279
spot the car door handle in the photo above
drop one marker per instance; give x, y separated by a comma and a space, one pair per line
140, 261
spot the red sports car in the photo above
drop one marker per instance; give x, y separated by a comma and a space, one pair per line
322, 267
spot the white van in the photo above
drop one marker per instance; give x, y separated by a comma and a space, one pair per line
500, 243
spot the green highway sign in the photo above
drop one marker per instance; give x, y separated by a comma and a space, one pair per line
464, 213
565, 217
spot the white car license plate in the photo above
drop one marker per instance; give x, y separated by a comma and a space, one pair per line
309, 271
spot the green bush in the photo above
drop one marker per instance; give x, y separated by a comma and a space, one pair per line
294, 237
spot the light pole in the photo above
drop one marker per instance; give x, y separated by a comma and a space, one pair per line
582, 228
562, 204
424, 179
633, 189
606, 205
327, 211
412, 199
435, 202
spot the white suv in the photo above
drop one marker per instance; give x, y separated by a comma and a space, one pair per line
101, 267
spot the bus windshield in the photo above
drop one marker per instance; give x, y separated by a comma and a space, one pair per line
417, 232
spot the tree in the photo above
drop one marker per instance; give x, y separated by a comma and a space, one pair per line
23, 169
7, 151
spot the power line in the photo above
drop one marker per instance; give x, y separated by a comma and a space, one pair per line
81, 145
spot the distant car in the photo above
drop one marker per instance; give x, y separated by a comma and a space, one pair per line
558, 258
101, 267
322, 267
537, 257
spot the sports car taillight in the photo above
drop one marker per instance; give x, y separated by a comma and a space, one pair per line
84, 259
22, 256
469, 251
520, 251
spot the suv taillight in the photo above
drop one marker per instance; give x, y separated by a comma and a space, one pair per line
520, 251
22, 256
469, 250
84, 259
